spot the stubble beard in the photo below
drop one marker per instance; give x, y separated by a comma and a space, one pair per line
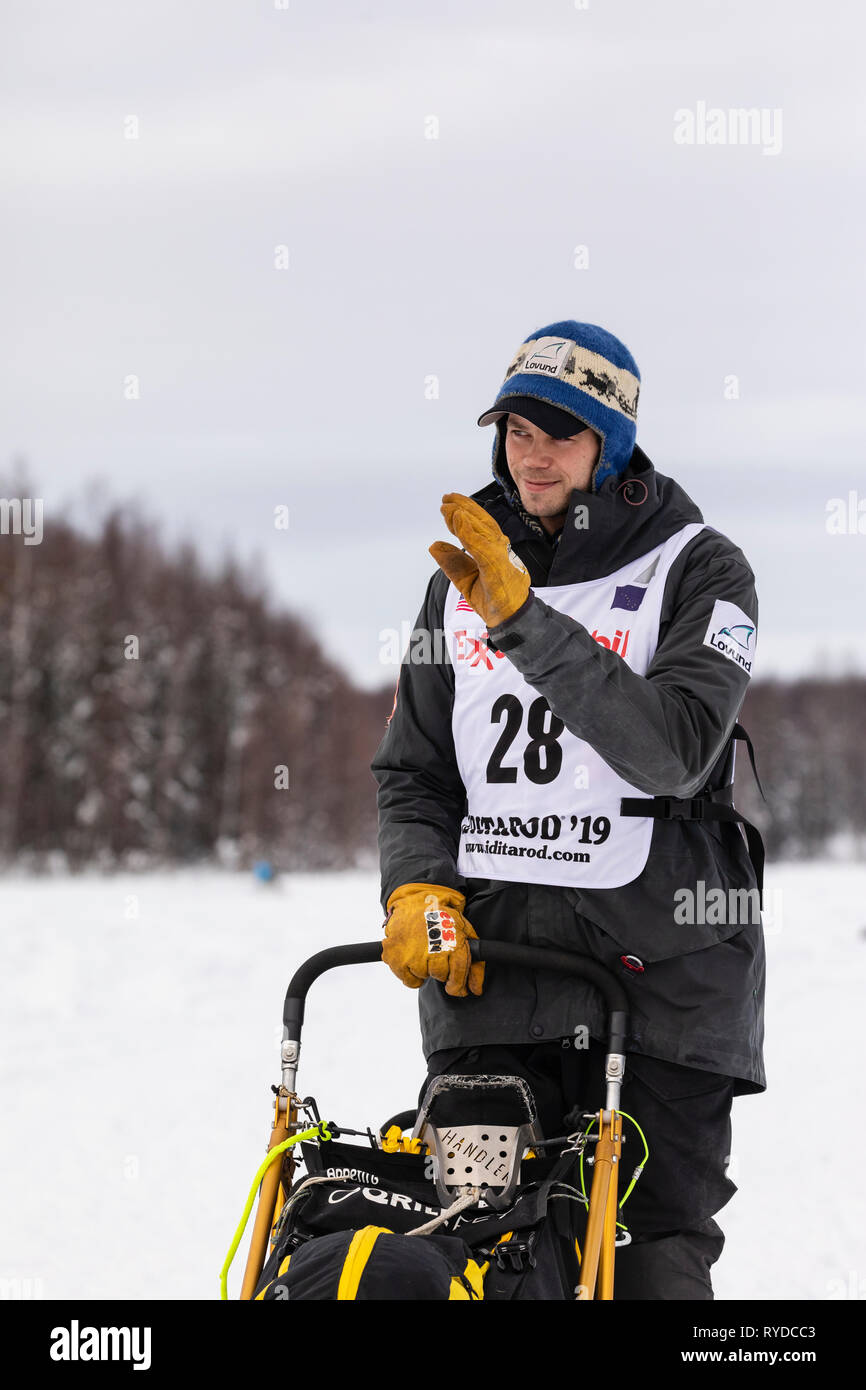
539, 507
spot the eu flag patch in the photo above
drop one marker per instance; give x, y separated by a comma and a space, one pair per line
628, 596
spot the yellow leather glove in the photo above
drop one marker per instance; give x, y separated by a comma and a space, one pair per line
490, 577
427, 936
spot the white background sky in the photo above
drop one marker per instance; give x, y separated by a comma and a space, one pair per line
411, 257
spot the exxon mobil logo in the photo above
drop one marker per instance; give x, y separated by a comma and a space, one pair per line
618, 643
472, 648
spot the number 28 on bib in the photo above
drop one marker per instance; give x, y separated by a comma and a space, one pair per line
542, 805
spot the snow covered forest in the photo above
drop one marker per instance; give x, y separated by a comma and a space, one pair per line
156, 711
152, 711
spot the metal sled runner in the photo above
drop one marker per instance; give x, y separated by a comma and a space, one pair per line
477, 1146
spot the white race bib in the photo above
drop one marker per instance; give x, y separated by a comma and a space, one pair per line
543, 806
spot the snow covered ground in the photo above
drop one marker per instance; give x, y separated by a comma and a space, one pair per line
141, 1019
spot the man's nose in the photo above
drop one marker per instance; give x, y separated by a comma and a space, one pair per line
539, 451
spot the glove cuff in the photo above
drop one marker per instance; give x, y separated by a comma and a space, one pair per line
449, 897
501, 638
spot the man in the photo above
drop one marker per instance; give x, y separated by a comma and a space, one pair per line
563, 778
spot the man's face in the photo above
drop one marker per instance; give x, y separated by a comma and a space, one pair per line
546, 470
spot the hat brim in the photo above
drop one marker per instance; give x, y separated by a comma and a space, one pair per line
552, 419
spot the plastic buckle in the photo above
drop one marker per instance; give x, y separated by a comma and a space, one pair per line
682, 808
515, 1255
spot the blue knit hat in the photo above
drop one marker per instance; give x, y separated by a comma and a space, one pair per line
585, 371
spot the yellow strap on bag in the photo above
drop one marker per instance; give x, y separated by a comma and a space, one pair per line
358, 1257
474, 1274
282, 1270
359, 1252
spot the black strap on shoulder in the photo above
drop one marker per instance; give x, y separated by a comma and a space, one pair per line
739, 732
710, 805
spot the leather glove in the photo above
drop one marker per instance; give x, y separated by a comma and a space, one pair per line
426, 935
490, 577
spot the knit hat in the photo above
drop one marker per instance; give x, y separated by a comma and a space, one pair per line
583, 370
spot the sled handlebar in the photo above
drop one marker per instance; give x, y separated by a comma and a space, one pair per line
495, 952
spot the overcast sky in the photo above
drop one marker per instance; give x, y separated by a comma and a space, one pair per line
157, 155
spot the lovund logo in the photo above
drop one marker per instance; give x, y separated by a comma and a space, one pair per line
732, 632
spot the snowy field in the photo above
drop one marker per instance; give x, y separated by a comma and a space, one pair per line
141, 1019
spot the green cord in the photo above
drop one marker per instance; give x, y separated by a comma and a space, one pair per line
640, 1166
635, 1175
318, 1131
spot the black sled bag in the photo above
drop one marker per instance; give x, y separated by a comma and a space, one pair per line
343, 1234
375, 1263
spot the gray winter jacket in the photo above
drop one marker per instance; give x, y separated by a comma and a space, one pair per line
699, 997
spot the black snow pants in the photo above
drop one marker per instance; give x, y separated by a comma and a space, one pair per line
686, 1117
